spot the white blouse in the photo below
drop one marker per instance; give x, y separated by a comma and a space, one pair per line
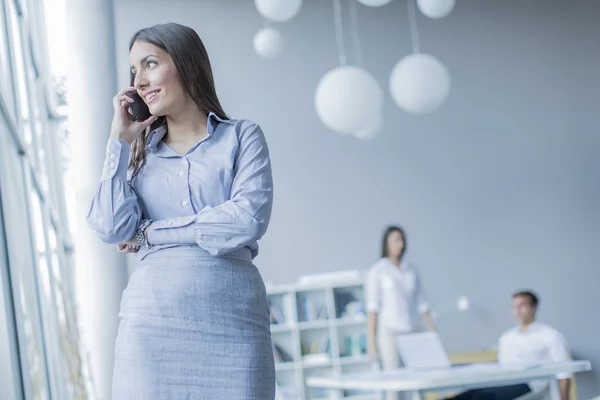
396, 295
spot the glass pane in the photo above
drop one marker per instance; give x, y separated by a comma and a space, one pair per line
40, 245
27, 135
56, 34
52, 238
38, 222
44, 276
59, 294
20, 74
6, 90
22, 7
36, 366
56, 275
67, 328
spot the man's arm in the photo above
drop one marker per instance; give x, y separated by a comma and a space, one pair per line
565, 385
559, 352
429, 321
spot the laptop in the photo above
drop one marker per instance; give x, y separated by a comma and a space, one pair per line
422, 350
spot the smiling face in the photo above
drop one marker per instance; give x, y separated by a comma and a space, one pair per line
156, 79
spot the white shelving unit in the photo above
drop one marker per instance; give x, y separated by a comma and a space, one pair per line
318, 329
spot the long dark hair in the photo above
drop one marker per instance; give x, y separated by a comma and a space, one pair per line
193, 66
388, 231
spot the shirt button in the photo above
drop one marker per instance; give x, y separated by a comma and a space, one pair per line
112, 164
180, 173
112, 155
170, 222
184, 203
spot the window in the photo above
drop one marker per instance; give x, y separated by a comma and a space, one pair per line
22, 274
33, 219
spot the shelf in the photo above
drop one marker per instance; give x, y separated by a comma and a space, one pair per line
351, 321
278, 328
285, 366
355, 360
319, 324
316, 360
316, 364
278, 290
319, 321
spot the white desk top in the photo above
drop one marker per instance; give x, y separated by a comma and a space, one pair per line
479, 375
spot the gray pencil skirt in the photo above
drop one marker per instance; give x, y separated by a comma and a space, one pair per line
194, 326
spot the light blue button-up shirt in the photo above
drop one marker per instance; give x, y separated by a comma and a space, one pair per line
218, 195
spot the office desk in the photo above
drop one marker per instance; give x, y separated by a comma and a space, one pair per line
450, 379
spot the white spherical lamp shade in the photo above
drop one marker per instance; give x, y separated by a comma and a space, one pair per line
278, 10
436, 8
374, 3
268, 43
372, 129
463, 303
419, 83
347, 99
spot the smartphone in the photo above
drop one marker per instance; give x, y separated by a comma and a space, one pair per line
139, 109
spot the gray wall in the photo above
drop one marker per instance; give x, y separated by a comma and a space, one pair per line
498, 190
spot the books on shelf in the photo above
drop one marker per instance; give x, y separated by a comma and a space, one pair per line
315, 346
281, 308
281, 356
354, 345
348, 304
311, 307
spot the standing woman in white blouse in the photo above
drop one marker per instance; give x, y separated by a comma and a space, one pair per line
395, 301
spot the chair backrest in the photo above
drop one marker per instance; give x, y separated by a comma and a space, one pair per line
471, 357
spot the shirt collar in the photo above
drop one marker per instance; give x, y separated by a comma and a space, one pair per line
404, 265
532, 328
157, 135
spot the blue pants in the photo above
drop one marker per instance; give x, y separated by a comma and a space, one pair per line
494, 393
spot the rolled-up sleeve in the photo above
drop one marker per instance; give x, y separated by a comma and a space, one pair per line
503, 351
239, 221
372, 295
422, 302
559, 351
115, 212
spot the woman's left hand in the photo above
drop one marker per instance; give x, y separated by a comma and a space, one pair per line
128, 248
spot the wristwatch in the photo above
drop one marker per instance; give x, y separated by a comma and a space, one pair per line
139, 233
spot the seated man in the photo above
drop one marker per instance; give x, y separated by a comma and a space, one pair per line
529, 343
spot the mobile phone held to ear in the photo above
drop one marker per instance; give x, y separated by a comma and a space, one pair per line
138, 108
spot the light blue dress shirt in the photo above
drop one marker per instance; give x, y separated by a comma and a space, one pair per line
217, 196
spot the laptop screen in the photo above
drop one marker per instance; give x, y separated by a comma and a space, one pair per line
423, 350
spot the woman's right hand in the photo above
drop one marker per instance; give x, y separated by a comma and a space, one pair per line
123, 127
372, 348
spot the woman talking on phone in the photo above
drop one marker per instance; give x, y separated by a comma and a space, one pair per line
191, 190
395, 301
